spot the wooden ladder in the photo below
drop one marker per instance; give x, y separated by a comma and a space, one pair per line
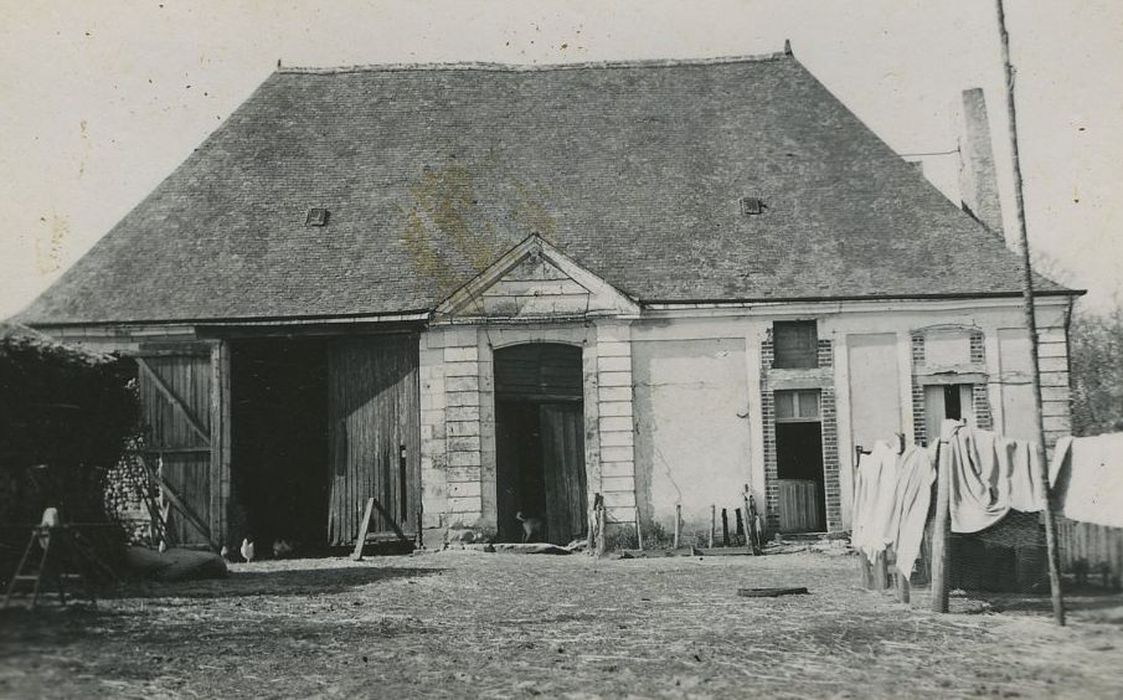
59, 549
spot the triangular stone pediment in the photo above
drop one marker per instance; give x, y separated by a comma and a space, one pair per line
535, 280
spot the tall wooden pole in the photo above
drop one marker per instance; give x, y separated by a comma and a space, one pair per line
1031, 318
678, 522
940, 526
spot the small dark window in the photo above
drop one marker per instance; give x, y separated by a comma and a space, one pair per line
750, 206
795, 344
317, 217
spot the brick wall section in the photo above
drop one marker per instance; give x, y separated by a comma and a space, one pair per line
616, 430
828, 420
978, 349
919, 428
980, 395
831, 485
825, 352
980, 398
768, 416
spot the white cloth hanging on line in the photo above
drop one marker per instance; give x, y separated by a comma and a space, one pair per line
989, 476
1088, 475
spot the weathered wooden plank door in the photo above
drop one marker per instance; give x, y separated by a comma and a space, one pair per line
562, 428
800, 507
176, 399
374, 433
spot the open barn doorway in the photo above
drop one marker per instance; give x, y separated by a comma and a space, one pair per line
799, 462
540, 446
279, 443
319, 425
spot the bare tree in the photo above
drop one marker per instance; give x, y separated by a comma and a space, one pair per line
1096, 346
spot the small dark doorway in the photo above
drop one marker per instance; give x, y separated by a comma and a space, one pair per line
279, 446
946, 401
540, 446
799, 462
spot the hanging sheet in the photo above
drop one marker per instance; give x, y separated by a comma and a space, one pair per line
989, 476
874, 524
1088, 475
916, 474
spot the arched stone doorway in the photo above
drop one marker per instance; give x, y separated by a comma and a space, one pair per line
540, 441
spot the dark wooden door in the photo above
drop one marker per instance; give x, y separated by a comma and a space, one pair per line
799, 465
518, 463
374, 433
562, 428
175, 399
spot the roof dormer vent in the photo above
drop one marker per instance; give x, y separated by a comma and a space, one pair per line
317, 216
751, 206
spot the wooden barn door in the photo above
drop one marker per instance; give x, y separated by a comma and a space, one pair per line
175, 399
374, 433
562, 428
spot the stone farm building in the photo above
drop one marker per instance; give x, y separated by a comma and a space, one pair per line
470, 291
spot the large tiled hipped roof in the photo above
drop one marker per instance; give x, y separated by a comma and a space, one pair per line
429, 173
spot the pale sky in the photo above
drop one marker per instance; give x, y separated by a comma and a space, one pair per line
100, 101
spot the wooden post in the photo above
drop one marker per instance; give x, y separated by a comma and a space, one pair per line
758, 527
1031, 320
904, 589
403, 484
713, 524
750, 537
740, 527
724, 527
678, 523
219, 472
602, 543
880, 571
639, 532
864, 571
420, 530
940, 527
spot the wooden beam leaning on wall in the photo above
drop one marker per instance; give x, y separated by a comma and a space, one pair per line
178, 503
361, 540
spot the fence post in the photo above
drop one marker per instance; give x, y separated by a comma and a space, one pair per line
713, 523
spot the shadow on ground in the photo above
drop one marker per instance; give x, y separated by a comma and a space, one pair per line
1088, 603
288, 582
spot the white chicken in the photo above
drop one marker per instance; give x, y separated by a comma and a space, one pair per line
247, 549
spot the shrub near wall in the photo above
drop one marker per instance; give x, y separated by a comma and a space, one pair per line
68, 409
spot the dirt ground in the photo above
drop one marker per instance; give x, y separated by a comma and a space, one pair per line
472, 624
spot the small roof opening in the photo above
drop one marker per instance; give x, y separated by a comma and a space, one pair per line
317, 216
751, 206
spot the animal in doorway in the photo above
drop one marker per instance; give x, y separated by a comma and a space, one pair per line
532, 527
283, 549
247, 549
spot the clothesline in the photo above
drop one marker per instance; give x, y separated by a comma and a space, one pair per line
990, 475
